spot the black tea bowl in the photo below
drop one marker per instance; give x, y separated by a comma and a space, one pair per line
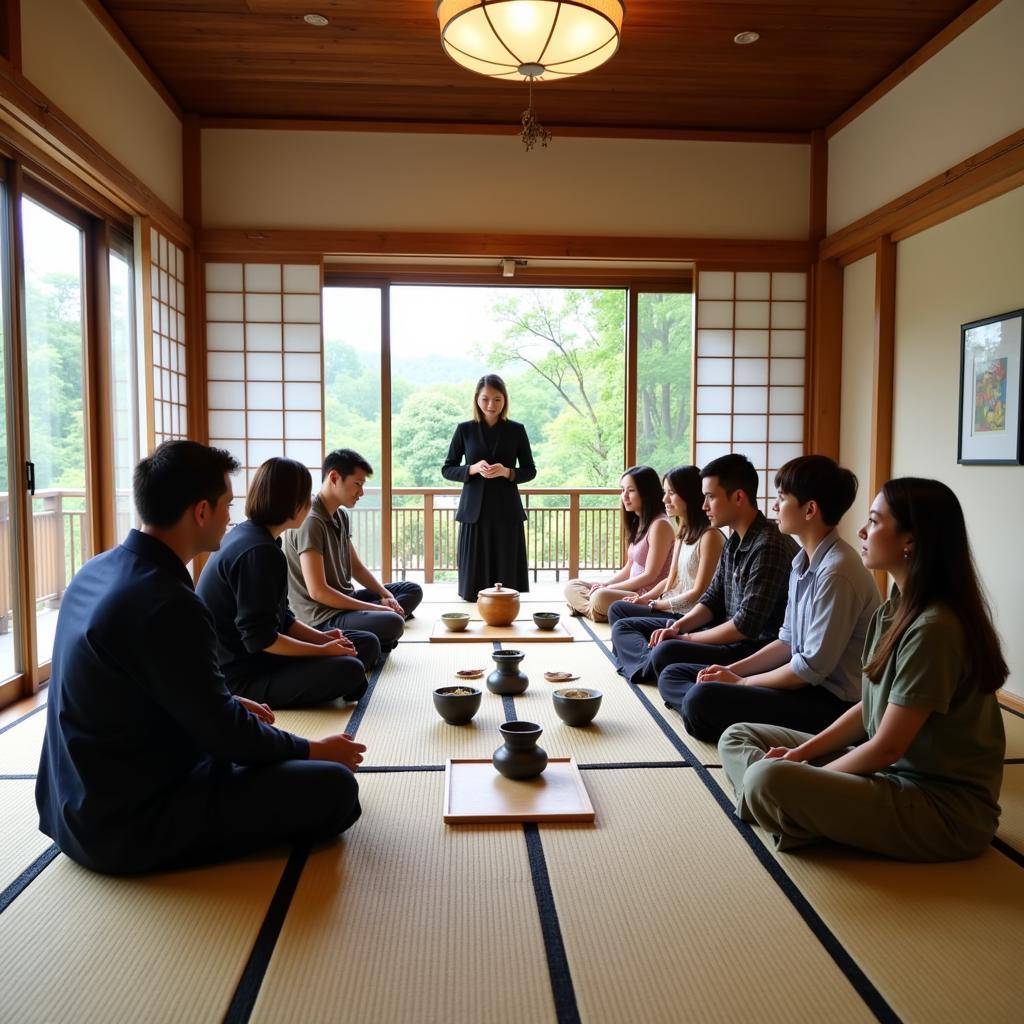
546, 620
455, 705
580, 709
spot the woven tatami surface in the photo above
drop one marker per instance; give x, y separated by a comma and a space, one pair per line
80, 947
941, 941
662, 910
411, 920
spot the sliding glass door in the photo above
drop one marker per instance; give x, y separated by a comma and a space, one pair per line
54, 289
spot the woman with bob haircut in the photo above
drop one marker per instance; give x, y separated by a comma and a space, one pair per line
649, 554
265, 653
490, 456
694, 556
922, 782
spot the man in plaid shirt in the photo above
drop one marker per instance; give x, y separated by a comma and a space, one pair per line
746, 600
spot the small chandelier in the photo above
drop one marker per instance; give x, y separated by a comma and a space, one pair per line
530, 40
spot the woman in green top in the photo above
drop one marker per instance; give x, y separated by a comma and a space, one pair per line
922, 781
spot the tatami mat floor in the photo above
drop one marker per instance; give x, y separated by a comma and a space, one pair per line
665, 909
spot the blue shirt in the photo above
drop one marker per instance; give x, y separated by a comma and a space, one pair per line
832, 598
138, 710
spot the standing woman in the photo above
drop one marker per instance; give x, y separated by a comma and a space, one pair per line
648, 555
490, 455
922, 782
265, 653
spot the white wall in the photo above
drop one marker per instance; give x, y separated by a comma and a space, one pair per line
968, 96
68, 55
455, 183
965, 269
857, 378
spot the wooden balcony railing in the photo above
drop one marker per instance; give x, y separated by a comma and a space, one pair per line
568, 530
59, 538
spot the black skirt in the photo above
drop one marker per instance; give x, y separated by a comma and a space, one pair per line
492, 552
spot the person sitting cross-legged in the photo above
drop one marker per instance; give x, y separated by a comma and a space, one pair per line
266, 653
913, 770
741, 610
323, 562
148, 761
811, 674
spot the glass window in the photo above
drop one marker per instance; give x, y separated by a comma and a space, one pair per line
123, 388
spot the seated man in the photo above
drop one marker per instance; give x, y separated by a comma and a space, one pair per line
811, 674
148, 761
322, 563
746, 598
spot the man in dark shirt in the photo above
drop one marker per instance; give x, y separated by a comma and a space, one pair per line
148, 761
743, 607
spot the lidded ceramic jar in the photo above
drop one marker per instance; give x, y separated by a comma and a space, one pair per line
498, 605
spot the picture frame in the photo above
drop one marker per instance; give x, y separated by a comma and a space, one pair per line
991, 383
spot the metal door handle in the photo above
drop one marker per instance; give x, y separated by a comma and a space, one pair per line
30, 477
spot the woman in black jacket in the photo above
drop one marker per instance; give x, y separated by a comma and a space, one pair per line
492, 540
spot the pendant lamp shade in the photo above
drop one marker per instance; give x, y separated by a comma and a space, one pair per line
540, 40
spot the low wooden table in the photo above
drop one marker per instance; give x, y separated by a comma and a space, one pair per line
520, 632
474, 793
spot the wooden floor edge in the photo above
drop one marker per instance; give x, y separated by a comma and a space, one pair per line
1011, 700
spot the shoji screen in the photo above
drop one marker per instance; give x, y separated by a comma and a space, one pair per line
264, 365
170, 384
751, 342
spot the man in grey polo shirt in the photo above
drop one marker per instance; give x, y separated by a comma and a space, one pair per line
323, 563
812, 673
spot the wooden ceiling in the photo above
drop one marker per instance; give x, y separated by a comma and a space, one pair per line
677, 69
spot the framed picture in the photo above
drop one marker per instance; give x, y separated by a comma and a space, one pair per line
991, 381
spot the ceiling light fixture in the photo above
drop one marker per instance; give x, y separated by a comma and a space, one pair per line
746, 38
318, 20
530, 40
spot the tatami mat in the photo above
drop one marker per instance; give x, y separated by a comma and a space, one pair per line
936, 939
623, 731
21, 745
20, 839
1014, 726
1011, 802
668, 916
401, 727
315, 723
411, 920
87, 948
706, 753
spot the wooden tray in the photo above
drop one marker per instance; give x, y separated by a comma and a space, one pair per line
474, 793
520, 632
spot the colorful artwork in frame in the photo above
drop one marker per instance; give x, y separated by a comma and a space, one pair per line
991, 381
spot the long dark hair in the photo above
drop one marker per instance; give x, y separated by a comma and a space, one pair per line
940, 569
490, 380
648, 486
685, 481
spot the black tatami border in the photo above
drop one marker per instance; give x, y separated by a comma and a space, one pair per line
18, 721
27, 877
244, 999
872, 998
562, 988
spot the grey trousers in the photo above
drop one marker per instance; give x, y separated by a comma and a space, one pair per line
801, 803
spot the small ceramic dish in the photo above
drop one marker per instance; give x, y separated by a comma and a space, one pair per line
455, 622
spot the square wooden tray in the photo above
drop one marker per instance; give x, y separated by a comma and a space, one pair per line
522, 631
474, 793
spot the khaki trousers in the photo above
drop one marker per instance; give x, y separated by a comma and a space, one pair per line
595, 607
801, 803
